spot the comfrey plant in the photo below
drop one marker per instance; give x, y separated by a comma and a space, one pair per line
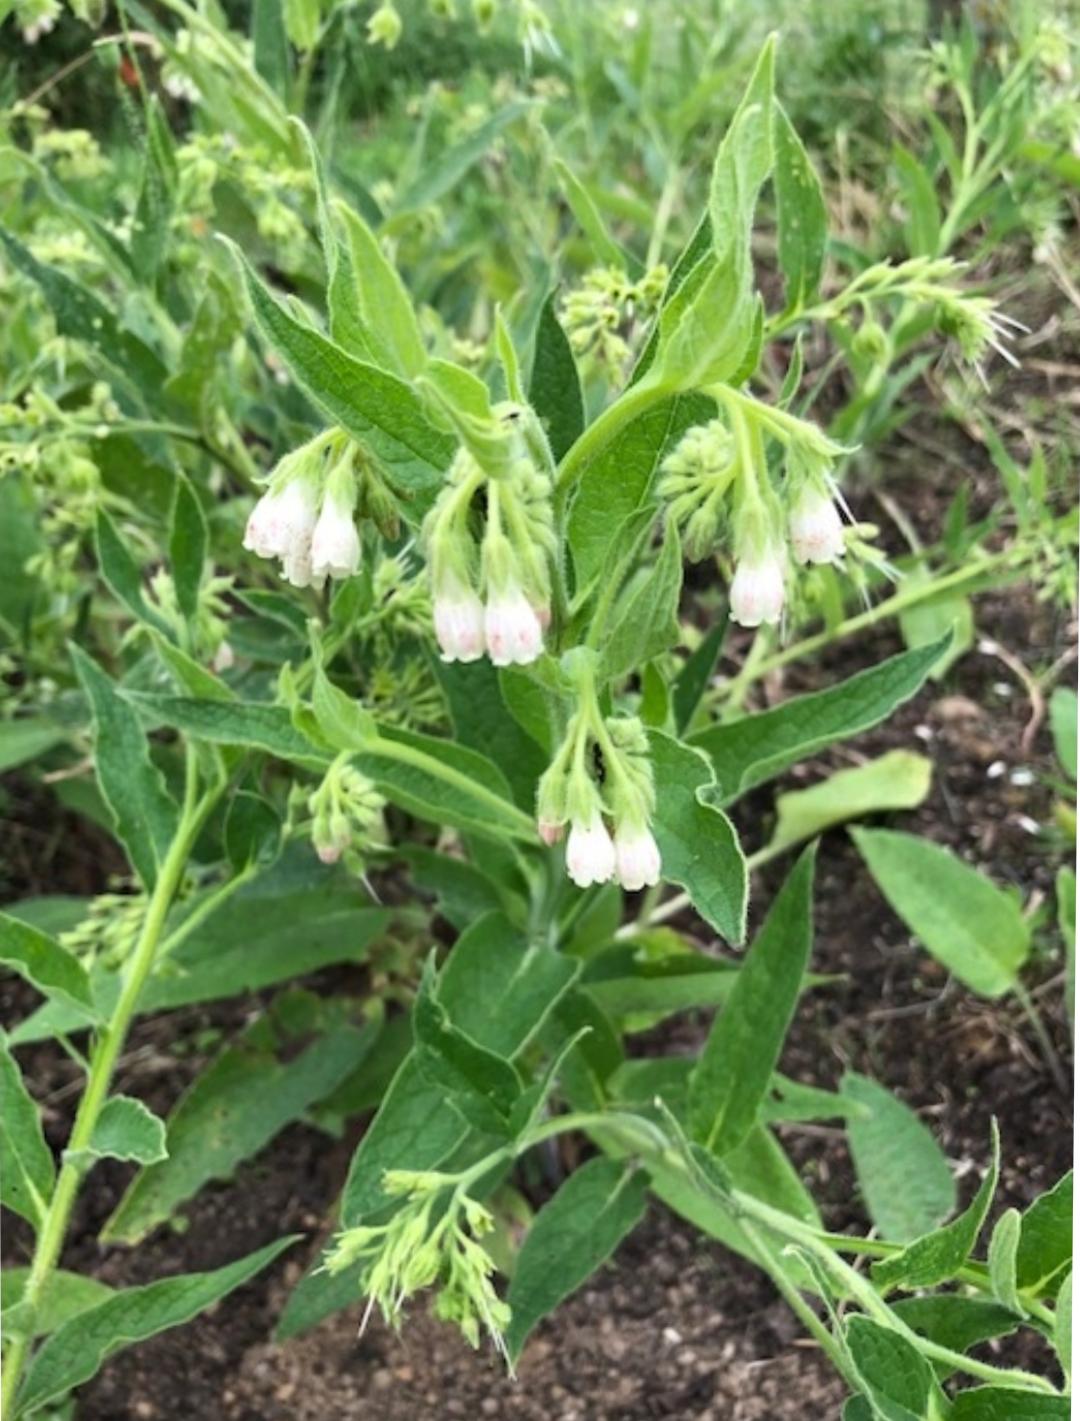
447, 662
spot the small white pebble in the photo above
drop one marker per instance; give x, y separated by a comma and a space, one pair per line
1022, 776
1029, 825
923, 732
671, 1337
996, 770
1005, 689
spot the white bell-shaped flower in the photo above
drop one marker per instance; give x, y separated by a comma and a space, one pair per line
590, 853
459, 622
637, 857
335, 543
815, 528
283, 520
512, 628
757, 589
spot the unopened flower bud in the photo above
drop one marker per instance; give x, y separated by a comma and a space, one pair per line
815, 528
757, 589
384, 26
459, 623
512, 629
550, 831
637, 858
590, 854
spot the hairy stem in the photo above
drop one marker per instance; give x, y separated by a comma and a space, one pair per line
51, 1237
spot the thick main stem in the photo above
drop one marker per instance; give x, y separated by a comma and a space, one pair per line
50, 1240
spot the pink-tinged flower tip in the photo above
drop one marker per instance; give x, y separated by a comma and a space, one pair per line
512, 629
815, 528
757, 590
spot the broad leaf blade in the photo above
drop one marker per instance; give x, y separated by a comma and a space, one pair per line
731, 1078
571, 1236
904, 1177
76, 1350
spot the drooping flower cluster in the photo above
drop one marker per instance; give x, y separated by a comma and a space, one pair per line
600, 783
601, 314
490, 541
306, 516
432, 1240
720, 492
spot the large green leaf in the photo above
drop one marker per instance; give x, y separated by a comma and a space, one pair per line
936, 1257
572, 1235
898, 1378
646, 622
76, 1350
955, 1320
378, 408
64, 1296
46, 965
802, 222
617, 480
498, 992
279, 1067
905, 1179
731, 1078
975, 928
1005, 1403
747, 752
26, 1163
1045, 1247
123, 574
143, 811
699, 849
899, 779
483, 722
554, 387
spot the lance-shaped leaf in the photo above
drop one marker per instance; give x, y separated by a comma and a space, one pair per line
646, 622
376, 407
82, 315
26, 1163
747, 752
123, 574
699, 849
385, 304
802, 222
76, 1350
732, 1076
46, 965
975, 928
616, 482
1045, 1247
482, 1085
63, 1297
568, 1240
899, 779
144, 813
1009, 1403
187, 548
289, 1059
554, 386
905, 1179
937, 1256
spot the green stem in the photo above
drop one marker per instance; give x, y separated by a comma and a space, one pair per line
605, 427
54, 1226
